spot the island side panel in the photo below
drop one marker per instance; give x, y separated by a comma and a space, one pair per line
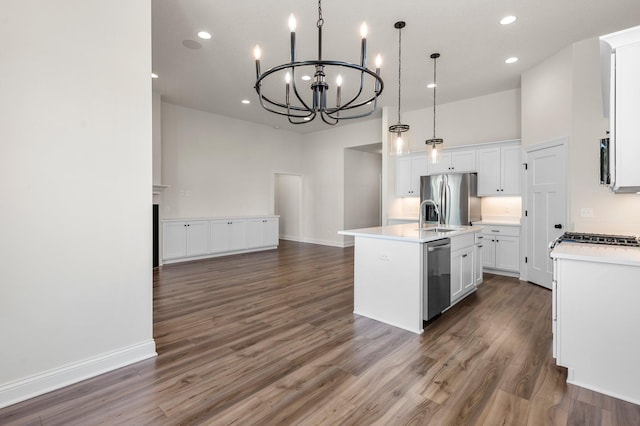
388, 282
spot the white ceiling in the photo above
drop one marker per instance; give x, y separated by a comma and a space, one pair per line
473, 45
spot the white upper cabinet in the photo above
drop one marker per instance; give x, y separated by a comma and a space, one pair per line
453, 161
499, 170
409, 168
625, 122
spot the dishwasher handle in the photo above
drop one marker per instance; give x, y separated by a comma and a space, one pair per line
446, 246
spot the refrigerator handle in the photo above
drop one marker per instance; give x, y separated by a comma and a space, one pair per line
441, 201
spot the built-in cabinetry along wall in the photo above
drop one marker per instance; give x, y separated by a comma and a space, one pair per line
188, 239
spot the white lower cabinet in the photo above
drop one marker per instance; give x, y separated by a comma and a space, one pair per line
501, 248
262, 232
193, 239
183, 239
463, 279
228, 235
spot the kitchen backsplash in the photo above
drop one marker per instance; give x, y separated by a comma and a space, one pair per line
507, 207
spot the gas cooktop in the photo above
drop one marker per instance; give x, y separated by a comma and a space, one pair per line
602, 239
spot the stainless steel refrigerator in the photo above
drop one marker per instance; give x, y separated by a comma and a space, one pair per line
456, 197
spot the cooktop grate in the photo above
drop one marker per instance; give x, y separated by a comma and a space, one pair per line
609, 240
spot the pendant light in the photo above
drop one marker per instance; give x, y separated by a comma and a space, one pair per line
399, 145
434, 140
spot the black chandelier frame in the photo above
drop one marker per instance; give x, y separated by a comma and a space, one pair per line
303, 112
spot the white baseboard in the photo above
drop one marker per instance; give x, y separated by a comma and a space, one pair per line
324, 242
38, 384
604, 391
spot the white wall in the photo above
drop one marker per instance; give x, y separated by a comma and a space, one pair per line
546, 100
323, 154
562, 97
218, 166
362, 186
490, 118
75, 174
612, 213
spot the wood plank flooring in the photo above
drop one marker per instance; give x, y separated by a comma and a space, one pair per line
270, 338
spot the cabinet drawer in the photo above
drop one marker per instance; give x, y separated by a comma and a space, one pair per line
462, 241
511, 231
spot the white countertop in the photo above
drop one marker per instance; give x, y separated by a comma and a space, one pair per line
597, 253
409, 232
501, 222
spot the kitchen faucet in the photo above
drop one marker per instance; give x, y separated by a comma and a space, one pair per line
421, 217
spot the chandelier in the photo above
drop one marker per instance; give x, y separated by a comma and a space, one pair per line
303, 106
434, 141
399, 146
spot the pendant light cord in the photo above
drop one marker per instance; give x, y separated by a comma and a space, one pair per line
399, 70
320, 19
435, 87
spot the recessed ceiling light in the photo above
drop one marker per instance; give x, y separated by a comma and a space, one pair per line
154, 75
508, 20
246, 101
511, 60
204, 35
431, 85
306, 77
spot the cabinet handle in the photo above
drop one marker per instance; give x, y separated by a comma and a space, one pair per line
464, 255
480, 246
495, 230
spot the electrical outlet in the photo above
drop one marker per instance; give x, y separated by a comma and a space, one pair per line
586, 212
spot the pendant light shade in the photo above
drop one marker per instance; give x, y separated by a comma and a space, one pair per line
434, 141
399, 140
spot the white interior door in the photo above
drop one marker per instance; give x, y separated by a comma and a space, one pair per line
546, 208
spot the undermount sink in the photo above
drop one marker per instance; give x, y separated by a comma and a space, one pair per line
436, 229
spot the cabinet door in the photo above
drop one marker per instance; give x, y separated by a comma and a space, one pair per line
463, 161
627, 111
466, 270
510, 169
237, 234
489, 251
271, 232
403, 176
197, 238
489, 172
442, 166
477, 263
456, 275
219, 231
254, 233
508, 253
174, 240
418, 169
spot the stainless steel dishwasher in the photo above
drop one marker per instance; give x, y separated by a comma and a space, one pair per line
436, 293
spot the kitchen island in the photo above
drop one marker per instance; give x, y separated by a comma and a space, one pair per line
389, 271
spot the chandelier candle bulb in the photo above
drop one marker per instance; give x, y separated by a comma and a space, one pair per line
363, 50
339, 90
292, 28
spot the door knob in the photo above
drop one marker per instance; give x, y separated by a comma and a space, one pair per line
558, 226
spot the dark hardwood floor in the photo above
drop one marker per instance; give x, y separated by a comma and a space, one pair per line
271, 338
